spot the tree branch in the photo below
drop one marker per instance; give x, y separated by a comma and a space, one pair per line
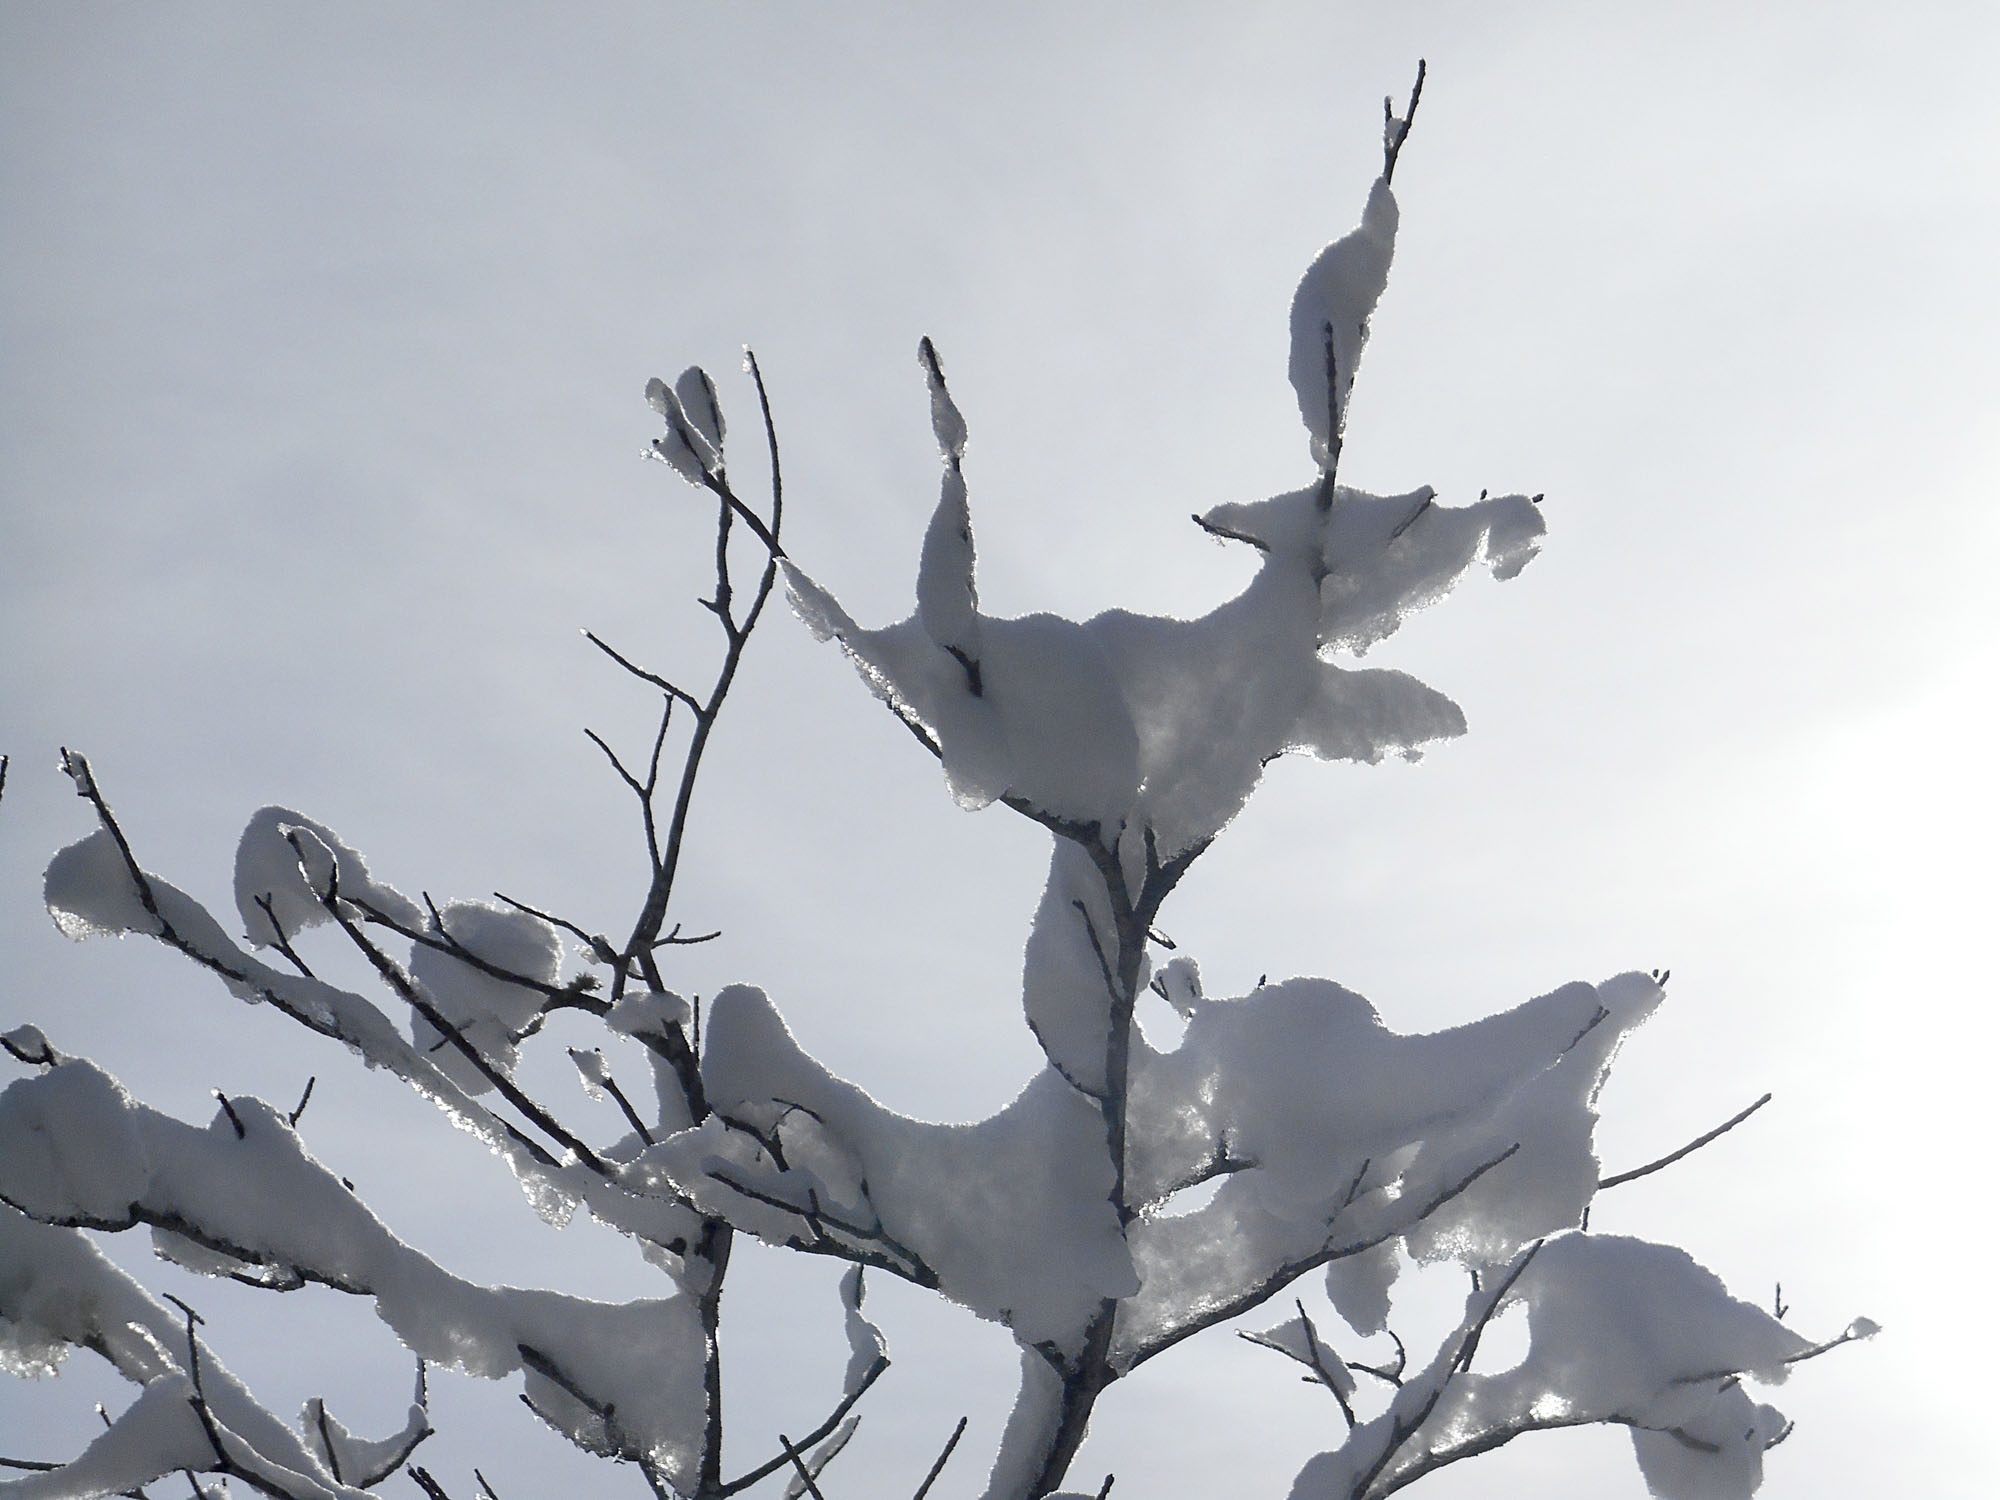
1694, 1145
765, 1470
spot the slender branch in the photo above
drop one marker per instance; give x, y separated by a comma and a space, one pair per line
1288, 1272
278, 938
441, 941
819, 1433
1382, 1372
1319, 1366
771, 442
666, 861
642, 674
1862, 1329
938, 1467
631, 1115
617, 765
1401, 1431
596, 942
1324, 496
1410, 520
1395, 131
407, 989
313, 1017
1694, 1145
805, 1474
326, 1442
905, 1263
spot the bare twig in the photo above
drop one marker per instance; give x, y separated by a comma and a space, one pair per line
1290, 1271
670, 689
1411, 519
631, 1115
1319, 1366
597, 943
1384, 1372
938, 1467
1401, 1430
1694, 1145
278, 938
407, 989
1395, 131
1226, 534
818, 1434
805, 1474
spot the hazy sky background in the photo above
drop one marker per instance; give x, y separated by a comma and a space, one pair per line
322, 340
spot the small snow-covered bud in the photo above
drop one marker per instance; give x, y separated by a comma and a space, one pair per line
591, 1071
29, 1045
947, 425
699, 404
1178, 982
316, 861
683, 446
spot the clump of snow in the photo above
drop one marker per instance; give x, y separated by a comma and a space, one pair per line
648, 1012
1335, 1132
1331, 308
1297, 1338
71, 1149
367, 1461
257, 1199
156, 1434
865, 1344
1358, 1286
687, 445
57, 1284
1065, 990
90, 892
1144, 722
699, 404
292, 862
1031, 1426
947, 589
1619, 1330
489, 1011
1042, 1265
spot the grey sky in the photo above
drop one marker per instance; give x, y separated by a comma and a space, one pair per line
322, 339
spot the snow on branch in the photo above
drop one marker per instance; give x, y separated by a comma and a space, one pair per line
1323, 1139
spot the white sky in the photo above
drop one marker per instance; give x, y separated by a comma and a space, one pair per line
322, 338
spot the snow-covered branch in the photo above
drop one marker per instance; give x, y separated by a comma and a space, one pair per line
1321, 1138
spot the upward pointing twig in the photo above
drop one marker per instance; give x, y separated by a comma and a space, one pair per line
1395, 131
938, 1467
1694, 1145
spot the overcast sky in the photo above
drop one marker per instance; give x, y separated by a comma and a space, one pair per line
323, 335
